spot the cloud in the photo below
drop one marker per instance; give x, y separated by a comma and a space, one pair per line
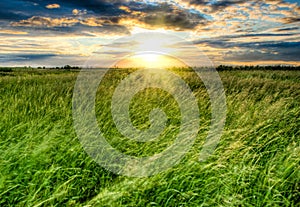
79, 12
24, 57
267, 52
75, 11
178, 20
53, 6
289, 20
125, 8
119, 44
94, 6
287, 29
161, 15
13, 32
36, 60
90, 26
211, 6
37, 21
248, 51
243, 27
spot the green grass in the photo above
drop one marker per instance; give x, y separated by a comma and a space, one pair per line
257, 162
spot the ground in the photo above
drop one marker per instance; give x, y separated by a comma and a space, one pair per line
256, 163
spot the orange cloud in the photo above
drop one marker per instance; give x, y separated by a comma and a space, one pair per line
78, 12
75, 11
53, 6
37, 21
92, 22
125, 8
13, 32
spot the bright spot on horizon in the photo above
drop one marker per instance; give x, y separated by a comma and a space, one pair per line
150, 60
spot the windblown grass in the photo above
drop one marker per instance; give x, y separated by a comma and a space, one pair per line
257, 162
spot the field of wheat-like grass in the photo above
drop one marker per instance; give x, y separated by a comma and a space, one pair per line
257, 162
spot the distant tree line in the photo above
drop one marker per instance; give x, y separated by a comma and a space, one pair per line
66, 67
6, 70
218, 68
257, 67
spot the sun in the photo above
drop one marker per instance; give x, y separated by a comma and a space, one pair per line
153, 50
151, 60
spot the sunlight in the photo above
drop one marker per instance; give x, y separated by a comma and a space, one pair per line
156, 42
150, 60
153, 50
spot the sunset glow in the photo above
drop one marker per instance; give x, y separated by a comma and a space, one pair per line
47, 33
150, 60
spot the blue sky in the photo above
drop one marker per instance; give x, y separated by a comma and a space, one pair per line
239, 32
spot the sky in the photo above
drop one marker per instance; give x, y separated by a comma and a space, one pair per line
231, 32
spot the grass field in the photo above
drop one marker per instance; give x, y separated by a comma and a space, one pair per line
257, 162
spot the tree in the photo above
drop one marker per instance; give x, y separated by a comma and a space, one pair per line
68, 67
